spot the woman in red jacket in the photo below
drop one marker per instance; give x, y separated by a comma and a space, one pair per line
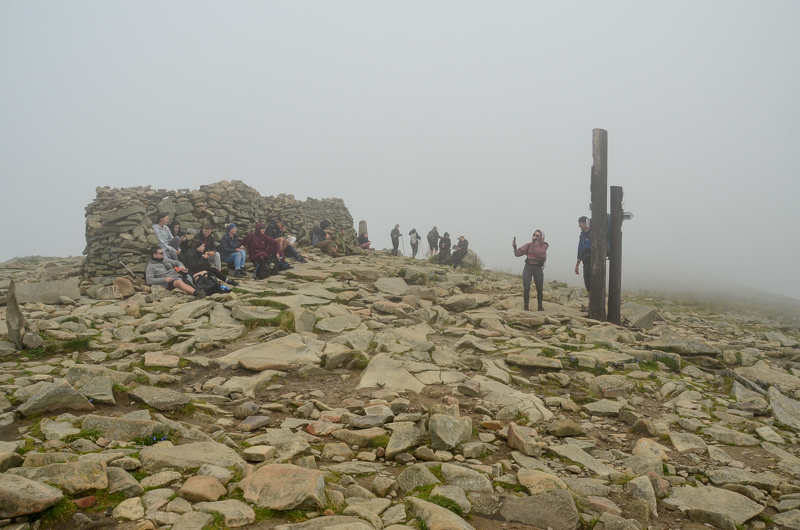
535, 254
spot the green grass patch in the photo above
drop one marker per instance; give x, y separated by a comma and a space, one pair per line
185, 411
106, 500
379, 441
89, 434
119, 389
263, 513
157, 436
648, 365
218, 523
80, 344
266, 303
36, 430
58, 513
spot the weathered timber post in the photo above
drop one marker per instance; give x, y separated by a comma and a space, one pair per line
599, 189
615, 257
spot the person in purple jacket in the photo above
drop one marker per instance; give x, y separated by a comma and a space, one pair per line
535, 254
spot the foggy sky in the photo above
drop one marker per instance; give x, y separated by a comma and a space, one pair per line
475, 117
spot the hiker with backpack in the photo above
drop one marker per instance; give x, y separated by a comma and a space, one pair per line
535, 254
433, 241
168, 273
414, 240
395, 235
203, 274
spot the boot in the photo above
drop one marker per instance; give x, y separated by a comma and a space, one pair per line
525, 308
199, 294
239, 273
231, 282
541, 307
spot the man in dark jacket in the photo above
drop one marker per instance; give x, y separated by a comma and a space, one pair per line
585, 252
232, 252
209, 243
260, 245
433, 241
321, 239
275, 230
461, 251
395, 235
197, 263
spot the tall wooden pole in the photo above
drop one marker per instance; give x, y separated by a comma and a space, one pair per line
597, 304
615, 257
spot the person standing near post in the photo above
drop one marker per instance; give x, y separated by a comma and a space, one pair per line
535, 254
585, 252
395, 239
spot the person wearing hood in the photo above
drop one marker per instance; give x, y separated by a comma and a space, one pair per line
276, 230
196, 261
167, 273
535, 254
433, 241
395, 235
363, 241
414, 240
460, 252
210, 246
260, 246
444, 247
231, 251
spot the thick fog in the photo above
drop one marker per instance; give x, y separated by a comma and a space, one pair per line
475, 117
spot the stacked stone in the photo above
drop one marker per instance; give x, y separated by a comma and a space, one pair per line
120, 220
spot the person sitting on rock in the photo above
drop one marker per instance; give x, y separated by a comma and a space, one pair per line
535, 254
175, 228
232, 252
461, 251
197, 264
210, 246
275, 230
167, 272
260, 246
321, 239
363, 241
342, 242
444, 248
166, 239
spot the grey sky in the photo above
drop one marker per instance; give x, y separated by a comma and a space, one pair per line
473, 116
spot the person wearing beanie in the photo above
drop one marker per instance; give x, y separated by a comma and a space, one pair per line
231, 252
395, 235
535, 254
460, 252
196, 262
444, 248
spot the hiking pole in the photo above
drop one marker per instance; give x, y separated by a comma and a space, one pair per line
402, 240
116, 258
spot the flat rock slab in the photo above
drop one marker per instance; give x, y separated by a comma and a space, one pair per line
786, 410
607, 357
339, 324
729, 436
578, 455
731, 475
163, 399
393, 286
555, 510
671, 341
308, 274
762, 371
70, 477
296, 301
717, 500
123, 430
335, 522
21, 496
58, 396
534, 361
436, 517
234, 512
285, 487
604, 407
280, 354
687, 443
389, 374
48, 292
189, 456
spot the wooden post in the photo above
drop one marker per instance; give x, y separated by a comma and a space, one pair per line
599, 188
615, 257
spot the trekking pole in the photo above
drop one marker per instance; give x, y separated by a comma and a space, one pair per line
116, 258
402, 240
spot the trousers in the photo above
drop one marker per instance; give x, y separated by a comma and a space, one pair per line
537, 273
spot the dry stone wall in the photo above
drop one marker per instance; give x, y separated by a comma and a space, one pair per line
122, 219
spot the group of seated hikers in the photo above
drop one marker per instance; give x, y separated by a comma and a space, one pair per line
194, 266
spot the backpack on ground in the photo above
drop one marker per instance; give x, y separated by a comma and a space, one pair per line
266, 267
207, 283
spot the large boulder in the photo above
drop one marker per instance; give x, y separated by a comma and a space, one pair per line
389, 374
163, 399
717, 500
279, 354
285, 487
122, 429
20, 496
71, 477
15, 320
48, 292
189, 456
555, 510
58, 396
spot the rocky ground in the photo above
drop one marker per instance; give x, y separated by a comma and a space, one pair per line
381, 392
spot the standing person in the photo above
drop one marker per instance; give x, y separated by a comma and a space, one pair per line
232, 252
585, 252
433, 241
175, 228
275, 230
260, 246
210, 246
363, 241
414, 240
461, 251
168, 272
535, 254
166, 239
444, 247
395, 234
